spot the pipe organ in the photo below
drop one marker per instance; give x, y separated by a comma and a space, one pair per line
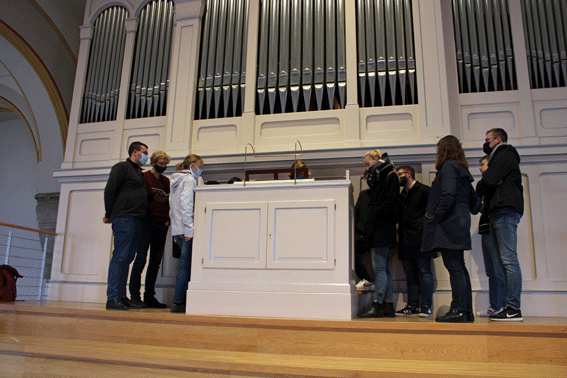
105, 65
150, 69
222, 71
386, 60
545, 29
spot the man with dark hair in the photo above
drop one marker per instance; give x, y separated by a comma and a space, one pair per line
417, 265
501, 186
125, 202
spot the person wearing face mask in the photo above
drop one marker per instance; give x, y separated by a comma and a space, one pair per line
181, 203
501, 187
417, 265
492, 267
125, 203
380, 229
155, 232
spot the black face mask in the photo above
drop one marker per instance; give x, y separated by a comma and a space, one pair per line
160, 169
486, 148
403, 181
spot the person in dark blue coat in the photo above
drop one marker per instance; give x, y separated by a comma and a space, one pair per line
380, 229
447, 224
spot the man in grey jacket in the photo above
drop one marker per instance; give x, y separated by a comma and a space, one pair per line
501, 186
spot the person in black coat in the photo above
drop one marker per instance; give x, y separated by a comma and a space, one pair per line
501, 186
380, 229
447, 224
410, 233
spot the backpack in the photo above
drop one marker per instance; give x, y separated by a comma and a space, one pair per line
8, 277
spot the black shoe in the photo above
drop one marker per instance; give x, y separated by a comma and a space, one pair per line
178, 308
407, 311
425, 312
507, 315
116, 304
470, 317
389, 311
453, 316
152, 302
376, 311
135, 304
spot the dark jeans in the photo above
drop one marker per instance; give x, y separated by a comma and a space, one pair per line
419, 281
127, 235
454, 261
154, 235
184, 270
504, 232
496, 279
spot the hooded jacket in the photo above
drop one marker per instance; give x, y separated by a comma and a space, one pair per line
447, 222
501, 184
380, 228
181, 202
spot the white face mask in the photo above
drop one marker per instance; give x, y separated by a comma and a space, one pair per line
196, 171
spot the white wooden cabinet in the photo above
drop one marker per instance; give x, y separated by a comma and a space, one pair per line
273, 249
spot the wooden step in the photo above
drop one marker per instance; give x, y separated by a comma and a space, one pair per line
59, 338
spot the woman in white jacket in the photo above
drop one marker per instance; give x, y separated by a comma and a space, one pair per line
183, 182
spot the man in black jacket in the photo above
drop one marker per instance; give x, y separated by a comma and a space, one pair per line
501, 186
125, 202
417, 265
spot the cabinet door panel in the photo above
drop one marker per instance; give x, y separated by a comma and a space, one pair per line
301, 234
236, 235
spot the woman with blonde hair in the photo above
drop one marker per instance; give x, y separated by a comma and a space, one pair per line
447, 223
380, 229
155, 233
181, 203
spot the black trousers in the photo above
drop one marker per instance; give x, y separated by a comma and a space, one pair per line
153, 238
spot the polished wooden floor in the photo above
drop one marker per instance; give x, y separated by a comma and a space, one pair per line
63, 339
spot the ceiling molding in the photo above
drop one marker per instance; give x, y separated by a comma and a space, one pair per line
56, 29
44, 75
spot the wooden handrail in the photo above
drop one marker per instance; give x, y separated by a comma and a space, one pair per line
27, 228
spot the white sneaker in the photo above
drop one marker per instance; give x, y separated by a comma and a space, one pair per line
489, 311
364, 285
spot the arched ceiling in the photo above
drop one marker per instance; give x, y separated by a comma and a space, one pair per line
45, 35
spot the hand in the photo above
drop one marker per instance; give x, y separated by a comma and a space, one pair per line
106, 220
187, 238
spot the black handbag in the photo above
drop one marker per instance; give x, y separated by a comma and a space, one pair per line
175, 249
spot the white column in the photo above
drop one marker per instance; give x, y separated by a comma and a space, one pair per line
86, 33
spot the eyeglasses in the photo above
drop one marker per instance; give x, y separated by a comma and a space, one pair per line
488, 140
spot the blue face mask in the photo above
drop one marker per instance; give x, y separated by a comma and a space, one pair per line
196, 172
143, 160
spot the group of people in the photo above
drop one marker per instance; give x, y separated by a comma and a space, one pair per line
436, 220
141, 206
421, 221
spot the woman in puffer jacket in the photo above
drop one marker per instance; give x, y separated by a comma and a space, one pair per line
380, 229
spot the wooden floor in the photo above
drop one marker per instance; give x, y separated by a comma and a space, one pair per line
63, 339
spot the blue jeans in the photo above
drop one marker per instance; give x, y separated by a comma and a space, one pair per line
419, 281
127, 236
461, 290
494, 272
184, 271
504, 231
153, 238
384, 285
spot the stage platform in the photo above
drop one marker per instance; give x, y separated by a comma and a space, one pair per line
67, 339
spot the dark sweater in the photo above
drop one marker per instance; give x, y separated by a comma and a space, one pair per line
158, 202
410, 229
125, 192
